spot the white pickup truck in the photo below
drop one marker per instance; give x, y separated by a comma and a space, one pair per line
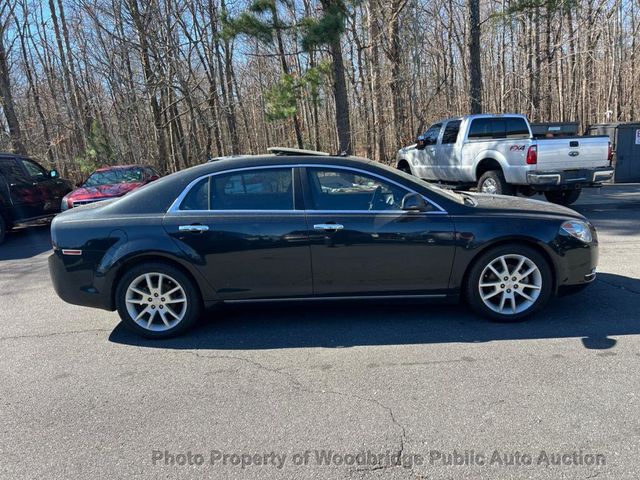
498, 154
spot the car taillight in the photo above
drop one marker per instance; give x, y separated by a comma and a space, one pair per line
532, 155
610, 154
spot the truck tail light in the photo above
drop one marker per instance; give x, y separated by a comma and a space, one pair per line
532, 155
610, 154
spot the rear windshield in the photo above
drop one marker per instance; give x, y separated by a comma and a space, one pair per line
492, 128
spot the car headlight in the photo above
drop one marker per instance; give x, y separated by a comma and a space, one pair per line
64, 204
578, 229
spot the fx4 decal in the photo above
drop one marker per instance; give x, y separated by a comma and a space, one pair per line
517, 148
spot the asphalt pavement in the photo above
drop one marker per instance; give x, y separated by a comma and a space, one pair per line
408, 391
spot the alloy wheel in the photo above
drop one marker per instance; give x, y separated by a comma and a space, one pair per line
490, 186
156, 302
510, 284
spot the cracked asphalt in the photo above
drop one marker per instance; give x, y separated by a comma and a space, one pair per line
256, 390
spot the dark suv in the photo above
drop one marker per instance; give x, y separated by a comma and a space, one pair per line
28, 192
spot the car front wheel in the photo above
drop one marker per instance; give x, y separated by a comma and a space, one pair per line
157, 300
509, 283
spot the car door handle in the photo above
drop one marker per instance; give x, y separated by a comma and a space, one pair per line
193, 228
328, 226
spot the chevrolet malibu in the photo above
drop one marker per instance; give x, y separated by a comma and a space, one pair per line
282, 228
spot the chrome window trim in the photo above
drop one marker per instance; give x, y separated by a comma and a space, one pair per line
175, 206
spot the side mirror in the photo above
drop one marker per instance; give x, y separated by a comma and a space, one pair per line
79, 184
420, 143
53, 173
412, 202
153, 178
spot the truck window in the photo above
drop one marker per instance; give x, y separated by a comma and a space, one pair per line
36, 171
450, 134
431, 135
487, 128
12, 171
517, 128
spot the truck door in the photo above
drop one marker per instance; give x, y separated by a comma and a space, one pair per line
448, 162
22, 198
49, 190
427, 157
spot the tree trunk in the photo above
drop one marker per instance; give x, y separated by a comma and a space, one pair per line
475, 68
6, 100
343, 123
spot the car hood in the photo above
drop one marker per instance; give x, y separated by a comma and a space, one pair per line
516, 205
104, 191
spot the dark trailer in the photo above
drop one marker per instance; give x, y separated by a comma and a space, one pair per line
625, 139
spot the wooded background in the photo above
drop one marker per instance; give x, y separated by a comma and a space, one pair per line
170, 82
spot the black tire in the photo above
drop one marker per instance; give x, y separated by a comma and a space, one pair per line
563, 197
3, 229
404, 167
471, 289
175, 278
495, 179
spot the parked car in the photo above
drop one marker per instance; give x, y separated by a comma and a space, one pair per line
199, 237
110, 182
498, 154
28, 192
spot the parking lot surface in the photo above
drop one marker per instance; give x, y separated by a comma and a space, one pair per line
411, 391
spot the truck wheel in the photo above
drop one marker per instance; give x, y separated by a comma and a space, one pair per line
493, 182
404, 167
563, 197
3, 229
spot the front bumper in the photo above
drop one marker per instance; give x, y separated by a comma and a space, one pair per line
569, 179
577, 261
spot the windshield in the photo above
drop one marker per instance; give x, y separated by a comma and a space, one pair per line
450, 194
109, 177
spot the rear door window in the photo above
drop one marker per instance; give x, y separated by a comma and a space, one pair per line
11, 171
450, 134
259, 189
198, 197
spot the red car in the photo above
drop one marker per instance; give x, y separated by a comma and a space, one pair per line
109, 182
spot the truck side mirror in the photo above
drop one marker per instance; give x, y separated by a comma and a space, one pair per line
413, 202
420, 142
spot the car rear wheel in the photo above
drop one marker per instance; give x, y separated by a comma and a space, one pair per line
494, 183
157, 300
509, 283
565, 197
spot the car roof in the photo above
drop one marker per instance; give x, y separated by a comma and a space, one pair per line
157, 196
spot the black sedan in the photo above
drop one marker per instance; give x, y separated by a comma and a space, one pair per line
303, 227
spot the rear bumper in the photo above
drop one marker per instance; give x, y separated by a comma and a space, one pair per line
569, 179
73, 281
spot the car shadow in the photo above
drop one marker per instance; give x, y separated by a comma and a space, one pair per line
26, 242
606, 309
